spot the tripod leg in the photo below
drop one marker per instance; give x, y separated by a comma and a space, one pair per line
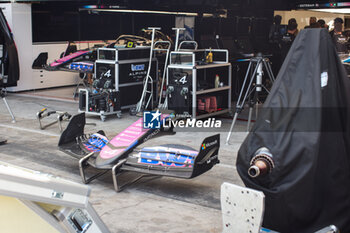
231, 128
252, 102
248, 92
269, 71
9, 109
240, 104
266, 89
244, 82
249, 117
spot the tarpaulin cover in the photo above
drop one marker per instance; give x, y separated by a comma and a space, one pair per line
305, 125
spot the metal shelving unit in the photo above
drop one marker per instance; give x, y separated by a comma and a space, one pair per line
213, 90
185, 74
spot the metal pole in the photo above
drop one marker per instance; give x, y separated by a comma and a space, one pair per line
160, 105
144, 91
177, 37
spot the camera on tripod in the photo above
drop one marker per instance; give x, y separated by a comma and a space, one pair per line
252, 87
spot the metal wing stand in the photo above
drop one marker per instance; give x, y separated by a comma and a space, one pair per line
148, 80
165, 81
255, 86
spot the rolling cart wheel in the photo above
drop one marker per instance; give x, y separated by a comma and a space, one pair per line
231, 113
132, 111
119, 115
103, 118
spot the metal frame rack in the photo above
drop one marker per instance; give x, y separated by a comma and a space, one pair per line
125, 69
193, 62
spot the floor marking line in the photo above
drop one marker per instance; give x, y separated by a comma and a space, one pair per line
62, 99
29, 130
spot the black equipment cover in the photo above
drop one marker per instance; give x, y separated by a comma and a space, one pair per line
305, 123
10, 56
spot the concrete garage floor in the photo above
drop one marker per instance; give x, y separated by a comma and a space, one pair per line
150, 205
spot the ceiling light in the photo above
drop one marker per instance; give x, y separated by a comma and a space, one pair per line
333, 10
118, 9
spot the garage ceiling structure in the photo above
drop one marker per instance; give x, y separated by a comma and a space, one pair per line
65, 20
188, 5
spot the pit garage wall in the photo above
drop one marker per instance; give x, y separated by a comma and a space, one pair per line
19, 18
303, 16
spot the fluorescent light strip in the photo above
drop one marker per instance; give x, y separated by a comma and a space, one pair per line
148, 12
342, 4
324, 5
94, 8
334, 10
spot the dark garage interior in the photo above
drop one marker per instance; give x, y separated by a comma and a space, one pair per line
174, 116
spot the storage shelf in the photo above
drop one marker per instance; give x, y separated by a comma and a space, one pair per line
213, 90
199, 67
206, 115
198, 73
